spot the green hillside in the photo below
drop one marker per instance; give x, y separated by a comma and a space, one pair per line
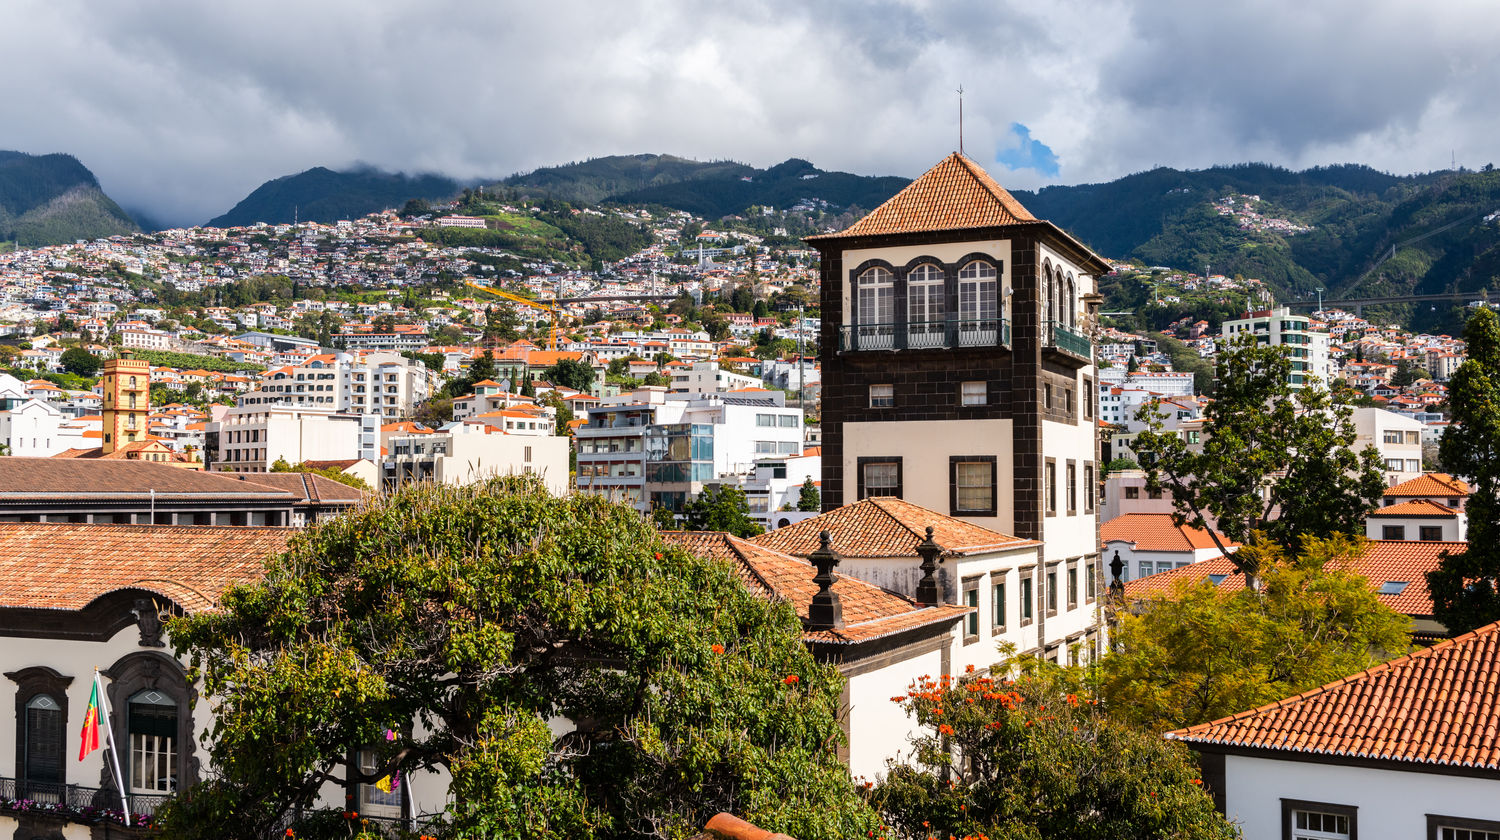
593, 181
323, 195
54, 199
781, 186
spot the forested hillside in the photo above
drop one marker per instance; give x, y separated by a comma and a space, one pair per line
323, 195
52, 199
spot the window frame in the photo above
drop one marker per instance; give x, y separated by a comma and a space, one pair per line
1049, 585
970, 591
971, 277
1387, 530
967, 400
998, 604
888, 401
1072, 577
859, 466
953, 496
31, 683
1028, 595
1437, 822
1072, 485
1430, 533
1049, 486
1289, 807
1090, 487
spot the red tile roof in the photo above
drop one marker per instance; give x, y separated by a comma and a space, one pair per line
1157, 532
64, 566
1383, 561
1415, 507
887, 527
953, 195
1430, 484
1438, 706
869, 611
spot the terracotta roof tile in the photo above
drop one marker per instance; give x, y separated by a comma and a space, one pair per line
1383, 561
1438, 706
887, 527
869, 611
1430, 484
953, 195
1157, 532
64, 566
1415, 507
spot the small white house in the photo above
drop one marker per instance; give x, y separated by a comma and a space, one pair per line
1148, 543
1409, 748
1420, 519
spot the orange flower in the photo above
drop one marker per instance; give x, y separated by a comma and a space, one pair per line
291, 833
792, 679
968, 669
717, 648
938, 712
945, 729
1195, 781
1072, 699
658, 555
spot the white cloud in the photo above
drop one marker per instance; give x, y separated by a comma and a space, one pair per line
182, 107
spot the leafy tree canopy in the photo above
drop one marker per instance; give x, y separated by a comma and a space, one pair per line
78, 361
1466, 586
281, 466
1199, 653
1274, 458
571, 373
464, 620
1035, 758
809, 499
721, 507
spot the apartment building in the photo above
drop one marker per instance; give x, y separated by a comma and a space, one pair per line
467, 452
1398, 439
386, 384
253, 437
653, 449
1280, 328
958, 369
708, 377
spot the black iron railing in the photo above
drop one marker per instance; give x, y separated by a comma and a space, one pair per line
926, 335
85, 804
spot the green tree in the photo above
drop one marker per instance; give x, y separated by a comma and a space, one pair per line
571, 373
720, 507
80, 362
498, 609
1406, 374
563, 414
1198, 653
1032, 758
281, 466
1274, 458
1120, 465
1466, 586
384, 324
809, 499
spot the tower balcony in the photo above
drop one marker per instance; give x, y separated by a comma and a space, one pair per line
1067, 344
946, 334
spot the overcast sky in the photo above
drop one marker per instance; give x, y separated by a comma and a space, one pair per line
182, 108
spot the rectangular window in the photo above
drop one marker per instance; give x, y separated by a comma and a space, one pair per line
1395, 464
1393, 532
879, 477
382, 798
1088, 401
765, 447
1028, 605
1132, 492
1049, 486
1088, 582
1441, 827
972, 482
971, 600
1047, 396
1051, 591
1391, 437
1089, 488
973, 393
1318, 821
1431, 533
153, 743
765, 420
1072, 587
882, 396
997, 606
1072, 488
787, 421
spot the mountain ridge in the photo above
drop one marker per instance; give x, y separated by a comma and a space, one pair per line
52, 199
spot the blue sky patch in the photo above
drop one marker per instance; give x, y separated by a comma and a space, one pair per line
1019, 151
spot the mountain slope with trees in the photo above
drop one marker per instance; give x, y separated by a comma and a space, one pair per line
54, 199
323, 195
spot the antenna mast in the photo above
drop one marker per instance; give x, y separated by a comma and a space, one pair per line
960, 119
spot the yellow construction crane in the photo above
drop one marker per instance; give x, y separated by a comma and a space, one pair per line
557, 315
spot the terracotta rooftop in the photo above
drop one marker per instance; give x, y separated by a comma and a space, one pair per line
1385, 563
953, 195
1415, 507
1157, 532
62, 566
1438, 706
309, 487
1430, 484
81, 478
869, 611
887, 527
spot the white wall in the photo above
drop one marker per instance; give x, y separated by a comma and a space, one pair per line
1453, 527
925, 446
1391, 803
878, 728
32, 429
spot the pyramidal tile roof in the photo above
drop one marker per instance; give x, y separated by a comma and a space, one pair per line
1415, 507
953, 195
1157, 532
869, 611
886, 526
1438, 706
1430, 484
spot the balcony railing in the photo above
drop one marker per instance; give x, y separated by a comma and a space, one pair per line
1069, 340
926, 335
83, 803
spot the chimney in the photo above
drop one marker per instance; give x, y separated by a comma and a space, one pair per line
825, 613
928, 592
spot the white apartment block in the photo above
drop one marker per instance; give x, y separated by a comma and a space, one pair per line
1398, 439
32, 429
138, 339
251, 438
464, 453
708, 377
1280, 328
385, 384
1169, 383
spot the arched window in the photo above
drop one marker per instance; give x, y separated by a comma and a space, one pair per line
926, 307
978, 304
875, 309
152, 724
148, 702
1046, 293
1070, 301
42, 746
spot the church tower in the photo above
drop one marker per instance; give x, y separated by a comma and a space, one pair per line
126, 386
958, 367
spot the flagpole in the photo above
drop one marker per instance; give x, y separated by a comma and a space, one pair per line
109, 731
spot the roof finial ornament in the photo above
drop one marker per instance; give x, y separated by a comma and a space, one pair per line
825, 612
928, 593
960, 92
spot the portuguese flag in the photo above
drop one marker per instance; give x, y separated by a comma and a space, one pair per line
88, 739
